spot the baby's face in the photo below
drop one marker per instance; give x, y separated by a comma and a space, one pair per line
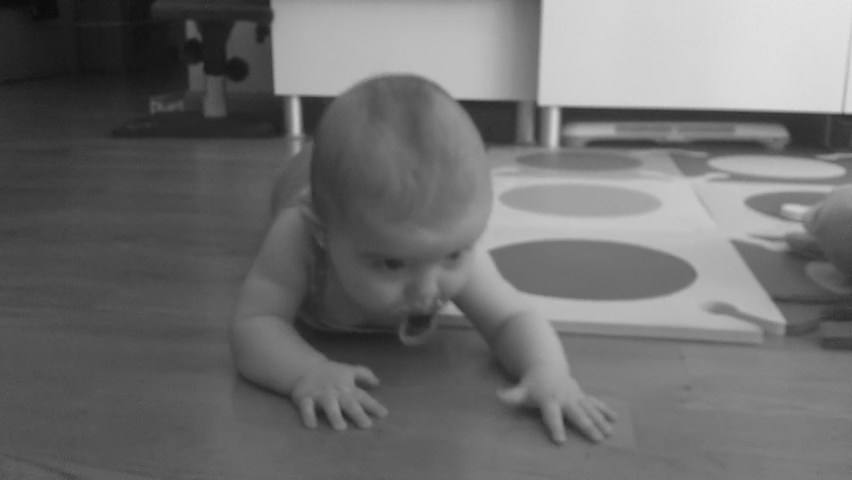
393, 270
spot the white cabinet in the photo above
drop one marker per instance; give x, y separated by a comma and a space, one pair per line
477, 49
748, 55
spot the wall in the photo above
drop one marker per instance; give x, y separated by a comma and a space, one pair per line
39, 48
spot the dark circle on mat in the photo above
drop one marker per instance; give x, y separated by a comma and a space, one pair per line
771, 203
577, 200
592, 270
583, 160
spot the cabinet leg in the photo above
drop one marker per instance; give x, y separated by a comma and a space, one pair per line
293, 116
525, 122
828, 132
549, 126
214, 104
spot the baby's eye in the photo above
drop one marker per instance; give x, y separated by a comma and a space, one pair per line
455, 257
390, 264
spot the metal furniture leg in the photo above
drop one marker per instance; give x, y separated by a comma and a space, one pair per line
293, 116
549, 126
525, 122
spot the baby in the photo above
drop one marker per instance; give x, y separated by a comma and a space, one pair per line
378, 236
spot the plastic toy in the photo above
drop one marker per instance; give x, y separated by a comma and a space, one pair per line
214, 20
828, 231
828, 238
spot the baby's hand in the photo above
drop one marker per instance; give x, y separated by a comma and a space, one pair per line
332, 386
557, 395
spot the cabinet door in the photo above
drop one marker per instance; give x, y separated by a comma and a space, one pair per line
769, 55
476, 49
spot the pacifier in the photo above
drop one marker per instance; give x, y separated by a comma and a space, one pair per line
419, 327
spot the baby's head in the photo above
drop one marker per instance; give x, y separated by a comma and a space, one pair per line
398, 146
401, 187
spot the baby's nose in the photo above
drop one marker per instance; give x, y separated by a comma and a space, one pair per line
424, 293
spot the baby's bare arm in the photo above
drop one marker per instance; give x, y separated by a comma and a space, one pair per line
528, 346
519, 338
267, 349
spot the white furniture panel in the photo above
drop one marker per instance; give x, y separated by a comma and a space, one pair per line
768, 55
477, 49
847, 99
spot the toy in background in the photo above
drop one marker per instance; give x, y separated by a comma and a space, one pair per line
214, 20
827, 236
210, 51
827, 241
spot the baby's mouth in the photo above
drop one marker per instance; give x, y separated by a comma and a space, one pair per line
418, 323
419, 317
422, 317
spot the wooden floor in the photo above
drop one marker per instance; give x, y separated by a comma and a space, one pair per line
120, 262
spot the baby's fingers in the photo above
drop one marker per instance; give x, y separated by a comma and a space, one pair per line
309, 415
371, 405
354, 411
365, 375
332, 410
551, 414
603, 425
603, 408
580, 418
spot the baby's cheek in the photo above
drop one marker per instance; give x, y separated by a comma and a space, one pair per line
378, 292
454, 282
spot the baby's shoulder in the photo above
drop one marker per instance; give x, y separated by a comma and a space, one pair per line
288, 242
289, 227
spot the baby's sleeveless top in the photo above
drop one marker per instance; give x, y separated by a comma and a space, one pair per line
413, 331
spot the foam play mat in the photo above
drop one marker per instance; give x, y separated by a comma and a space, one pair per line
584, 163
733, 166
580, 203
655, 243
752, 211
